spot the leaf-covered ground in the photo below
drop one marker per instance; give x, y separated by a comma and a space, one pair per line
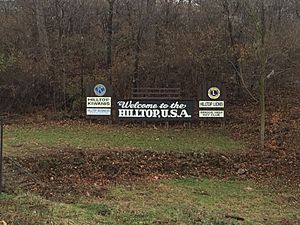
69, 171
75, 173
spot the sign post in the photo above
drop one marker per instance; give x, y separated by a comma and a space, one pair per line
1, 156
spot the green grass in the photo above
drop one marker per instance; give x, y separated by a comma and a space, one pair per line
175, 201
187, 201
111, 137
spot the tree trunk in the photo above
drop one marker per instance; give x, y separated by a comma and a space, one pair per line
63, 55
232, 44
136, 62
262, 104
262, 75
43, 36
109, 38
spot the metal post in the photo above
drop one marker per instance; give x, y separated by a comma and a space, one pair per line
1, 156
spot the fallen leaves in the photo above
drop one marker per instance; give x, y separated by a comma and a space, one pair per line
68, 170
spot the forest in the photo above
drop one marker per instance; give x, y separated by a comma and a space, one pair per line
51, 49
139, 112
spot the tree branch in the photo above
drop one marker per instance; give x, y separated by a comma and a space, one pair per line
243, 82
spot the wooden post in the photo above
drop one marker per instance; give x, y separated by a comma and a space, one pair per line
201, 123
1, 156
167, 125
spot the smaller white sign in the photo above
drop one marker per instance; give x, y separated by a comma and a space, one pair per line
211, 104
98, 102
98, 112
207, 113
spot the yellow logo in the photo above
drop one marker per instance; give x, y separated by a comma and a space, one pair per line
214, 93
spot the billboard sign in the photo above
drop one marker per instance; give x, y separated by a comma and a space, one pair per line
155, 110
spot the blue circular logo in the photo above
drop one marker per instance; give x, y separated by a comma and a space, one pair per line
100, 90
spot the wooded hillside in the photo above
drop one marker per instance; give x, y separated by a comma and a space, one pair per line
49, 49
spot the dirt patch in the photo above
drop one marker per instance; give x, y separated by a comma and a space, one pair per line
78, 171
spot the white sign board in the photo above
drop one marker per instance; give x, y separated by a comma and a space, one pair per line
98, 102
211, 104
208, 113
98, 112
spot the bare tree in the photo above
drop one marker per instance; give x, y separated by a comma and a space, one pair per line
109, 38
261, 30
42, 31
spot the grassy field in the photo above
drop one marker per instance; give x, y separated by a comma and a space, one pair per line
33, 137
170, 201
187, 201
